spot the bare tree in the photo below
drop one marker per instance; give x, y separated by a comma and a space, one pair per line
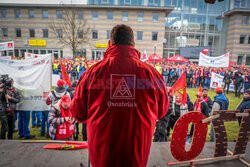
71, 29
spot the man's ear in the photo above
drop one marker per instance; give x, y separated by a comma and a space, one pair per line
133, 43
109, 43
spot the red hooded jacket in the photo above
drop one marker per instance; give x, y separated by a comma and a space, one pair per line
120, 98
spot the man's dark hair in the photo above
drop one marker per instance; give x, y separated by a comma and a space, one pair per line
122, 34
204, 89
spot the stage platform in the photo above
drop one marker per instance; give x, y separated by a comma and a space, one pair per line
17, 154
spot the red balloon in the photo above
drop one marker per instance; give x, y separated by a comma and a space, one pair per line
205, 51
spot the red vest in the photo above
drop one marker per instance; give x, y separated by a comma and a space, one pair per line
66, 129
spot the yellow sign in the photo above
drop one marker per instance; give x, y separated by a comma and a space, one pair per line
101, 45
194, 26
37, 42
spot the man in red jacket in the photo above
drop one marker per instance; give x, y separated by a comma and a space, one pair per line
120, 98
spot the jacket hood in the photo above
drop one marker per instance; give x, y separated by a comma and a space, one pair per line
70, 88
122, 51
60, 89
221, 97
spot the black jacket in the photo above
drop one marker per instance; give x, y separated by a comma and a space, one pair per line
227, 78
190, 74
71, 91
15, 98
2, 104
210, 104
238, 80
245, 104
175, 76
164, 72
205, 109
74, 71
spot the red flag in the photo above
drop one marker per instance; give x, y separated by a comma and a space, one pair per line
65, 74
67, 146
200, 89
86, 63
180, 87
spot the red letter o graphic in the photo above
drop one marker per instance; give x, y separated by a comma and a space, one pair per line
178, 139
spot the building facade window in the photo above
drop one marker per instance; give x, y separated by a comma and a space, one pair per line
31, 14
17, 13
244, 20
154, 2
45, 14
124, 16
242, 39
59, 33
45, 33
127, 2
108, 34
140, 16
110, 15
32, 33
59, 14
94, 15
5, 32
139, 35
154, 36
94, 34
80, 15
155, 17
240, 59
248, 60
80, 34
105, 1
18, 32
4, 13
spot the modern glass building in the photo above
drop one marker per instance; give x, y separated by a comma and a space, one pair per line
192, 23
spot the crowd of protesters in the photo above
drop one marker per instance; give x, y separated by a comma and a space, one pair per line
195, 76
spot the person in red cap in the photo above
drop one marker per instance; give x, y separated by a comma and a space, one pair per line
56, 94
220, 103
120, 98
200, 105
61, 120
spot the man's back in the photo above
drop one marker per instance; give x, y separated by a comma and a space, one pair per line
120, 98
